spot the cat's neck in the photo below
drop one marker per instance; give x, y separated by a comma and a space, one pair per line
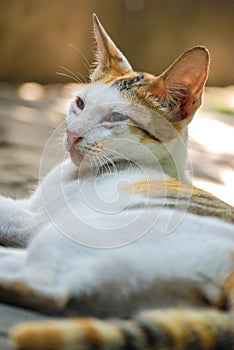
172, 162
176, 162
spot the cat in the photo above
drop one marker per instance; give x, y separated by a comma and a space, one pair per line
117, 234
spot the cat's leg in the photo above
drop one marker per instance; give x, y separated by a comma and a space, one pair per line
52, 270
35, 277
17, 223
11, 262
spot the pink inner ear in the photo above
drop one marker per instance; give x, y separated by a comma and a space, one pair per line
182, 84
190, 106
158, 87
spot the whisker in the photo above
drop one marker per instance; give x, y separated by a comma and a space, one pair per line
122, 156
103, 159
68, 76
86, 64
109, 160
71, 72
106, 164
106, 160
98, 165
83, 77
88, 158
94, 161
94, 166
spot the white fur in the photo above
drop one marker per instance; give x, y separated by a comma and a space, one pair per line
92, 236
99, 100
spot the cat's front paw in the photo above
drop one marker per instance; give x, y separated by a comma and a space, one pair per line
15, 223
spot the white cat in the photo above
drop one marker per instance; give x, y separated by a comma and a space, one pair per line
119, 229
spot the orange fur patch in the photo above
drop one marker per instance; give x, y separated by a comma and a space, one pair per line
92, 333
145, 138
159, 185
29, 336
199, 201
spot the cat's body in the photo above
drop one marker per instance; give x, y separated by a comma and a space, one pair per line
119, 230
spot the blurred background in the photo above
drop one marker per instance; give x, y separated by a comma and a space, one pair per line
46, 52
35, 35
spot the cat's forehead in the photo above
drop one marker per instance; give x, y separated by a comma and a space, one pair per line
100, 95
129, 80
101, 89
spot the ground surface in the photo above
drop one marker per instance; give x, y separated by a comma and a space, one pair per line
29, 114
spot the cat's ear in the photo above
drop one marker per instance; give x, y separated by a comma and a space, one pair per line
180, 87
110, 61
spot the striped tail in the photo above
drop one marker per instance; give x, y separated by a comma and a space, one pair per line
166, 329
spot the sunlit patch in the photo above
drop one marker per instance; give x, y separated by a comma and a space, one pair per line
221, 191
214, 135
231, 101
228, 178
31, 91
219, 99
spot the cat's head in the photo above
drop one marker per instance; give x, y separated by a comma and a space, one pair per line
121, 105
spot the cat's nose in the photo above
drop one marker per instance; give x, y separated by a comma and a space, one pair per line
72, 137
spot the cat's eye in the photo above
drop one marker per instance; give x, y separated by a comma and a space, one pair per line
79, 102
117, 117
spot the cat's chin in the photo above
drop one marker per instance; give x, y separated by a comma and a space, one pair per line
76, 156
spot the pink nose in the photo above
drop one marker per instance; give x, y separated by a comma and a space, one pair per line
72, 137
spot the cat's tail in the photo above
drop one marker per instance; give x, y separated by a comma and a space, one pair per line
165, 329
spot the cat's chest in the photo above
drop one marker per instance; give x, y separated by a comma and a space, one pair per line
121, 194
110, 192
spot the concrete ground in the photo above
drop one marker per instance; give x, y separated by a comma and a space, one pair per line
30, 113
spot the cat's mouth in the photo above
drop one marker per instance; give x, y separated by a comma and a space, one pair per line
71, 141
72, 138
76, 155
